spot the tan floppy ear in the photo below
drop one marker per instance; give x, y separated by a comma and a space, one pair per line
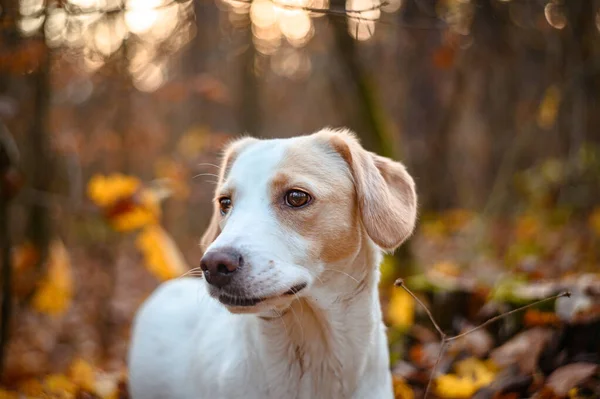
230, 154
385, 192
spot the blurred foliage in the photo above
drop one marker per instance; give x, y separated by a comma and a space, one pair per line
470, 375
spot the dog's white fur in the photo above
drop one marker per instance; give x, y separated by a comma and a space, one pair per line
328, 340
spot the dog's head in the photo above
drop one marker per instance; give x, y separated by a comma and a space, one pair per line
287, 209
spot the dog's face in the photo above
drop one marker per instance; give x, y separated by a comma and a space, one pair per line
287, 209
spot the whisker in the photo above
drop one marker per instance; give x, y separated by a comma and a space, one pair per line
315, 276
196, 274
209, 164
280, 316
300, 302
342, 272
205, 174
192, 272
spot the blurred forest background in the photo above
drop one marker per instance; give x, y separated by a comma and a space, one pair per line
112, 112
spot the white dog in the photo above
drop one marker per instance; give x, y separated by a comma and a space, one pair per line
289, 306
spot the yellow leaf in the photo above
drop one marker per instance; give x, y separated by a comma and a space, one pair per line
126, 203
471, 375
401, 309
549, 108
136, 218
56, 289
82, 374
163, 258
482, 372
105, 191
60, 384
401, 389
453, 386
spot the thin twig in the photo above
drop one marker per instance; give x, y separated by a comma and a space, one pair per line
435, 366
445, 339
400, 283
503, 315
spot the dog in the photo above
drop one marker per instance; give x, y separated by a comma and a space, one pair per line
288, 306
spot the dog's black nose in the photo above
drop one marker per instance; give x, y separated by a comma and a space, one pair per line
220, 265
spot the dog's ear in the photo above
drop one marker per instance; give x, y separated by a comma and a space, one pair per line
231, 152
385, 191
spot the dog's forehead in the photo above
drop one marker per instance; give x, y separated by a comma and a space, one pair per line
262, 160
258, 161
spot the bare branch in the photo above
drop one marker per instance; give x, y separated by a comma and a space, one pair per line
435, 366
503, 315
445, 340
400, 283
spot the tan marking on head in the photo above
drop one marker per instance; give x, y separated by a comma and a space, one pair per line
385, 191
230, 154
330, 222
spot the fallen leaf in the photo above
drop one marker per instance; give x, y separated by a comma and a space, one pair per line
401, 389
83, 375
524, 349
565, 378
59, 384
470, 375
507, 385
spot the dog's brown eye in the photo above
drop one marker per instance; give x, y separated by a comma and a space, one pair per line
296, 198
225, 204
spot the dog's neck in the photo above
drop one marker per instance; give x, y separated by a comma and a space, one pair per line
327, 335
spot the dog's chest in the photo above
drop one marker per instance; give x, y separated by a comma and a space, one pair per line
309, 371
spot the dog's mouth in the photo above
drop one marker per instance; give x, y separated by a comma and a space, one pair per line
238, 301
